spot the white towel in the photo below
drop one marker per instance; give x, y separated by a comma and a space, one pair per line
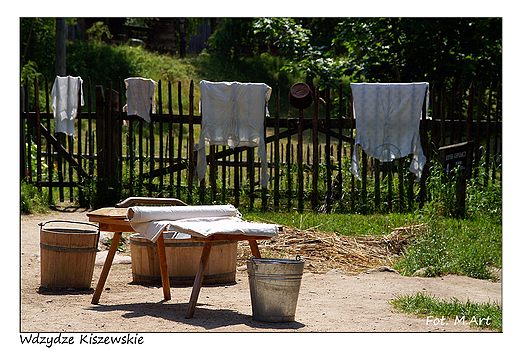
233, 115
387, 122
198, 221
140, 95
66, 95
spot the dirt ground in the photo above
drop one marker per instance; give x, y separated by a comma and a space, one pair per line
330, 302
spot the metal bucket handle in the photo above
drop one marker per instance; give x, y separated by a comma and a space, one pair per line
41, 224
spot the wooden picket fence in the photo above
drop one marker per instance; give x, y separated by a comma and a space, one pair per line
114, 156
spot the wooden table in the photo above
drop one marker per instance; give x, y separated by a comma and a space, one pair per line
115, 220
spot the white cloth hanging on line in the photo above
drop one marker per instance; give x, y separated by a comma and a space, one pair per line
387, 122
66, 98
233, 115
140, 96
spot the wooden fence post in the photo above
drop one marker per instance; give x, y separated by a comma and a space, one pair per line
300, 159
191, 145
315, 150
277, 148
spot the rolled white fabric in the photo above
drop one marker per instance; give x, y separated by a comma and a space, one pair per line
144, 214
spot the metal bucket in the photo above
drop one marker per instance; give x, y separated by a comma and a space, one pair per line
274, 285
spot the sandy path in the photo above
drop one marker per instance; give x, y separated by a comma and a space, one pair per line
331, 302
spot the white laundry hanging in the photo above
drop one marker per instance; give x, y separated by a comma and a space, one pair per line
233, 115
140, 95
66, 98
387, 122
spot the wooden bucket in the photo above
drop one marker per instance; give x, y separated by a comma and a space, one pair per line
67, 255
182, 258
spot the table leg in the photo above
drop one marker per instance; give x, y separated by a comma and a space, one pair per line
254, 248
106, 267
204, 259
161, 250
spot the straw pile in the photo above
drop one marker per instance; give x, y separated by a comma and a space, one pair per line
327, 251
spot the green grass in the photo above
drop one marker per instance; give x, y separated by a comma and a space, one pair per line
488, 315
470, 247
33, 200
345, 224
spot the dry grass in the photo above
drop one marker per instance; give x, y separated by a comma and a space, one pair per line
327, 251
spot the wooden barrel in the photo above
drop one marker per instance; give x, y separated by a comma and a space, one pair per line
67, 256
182, 257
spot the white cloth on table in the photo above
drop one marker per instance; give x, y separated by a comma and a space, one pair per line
233, 115
66, 97
205, 227
140, 95
196, 220
387, 122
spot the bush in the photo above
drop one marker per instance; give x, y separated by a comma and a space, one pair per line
32, 199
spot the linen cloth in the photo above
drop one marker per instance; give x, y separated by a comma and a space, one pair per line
198, 221
66, 97
387, 122
233, 115
140, 95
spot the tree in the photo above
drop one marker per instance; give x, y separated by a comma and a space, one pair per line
426, 49
37, 36
431, 49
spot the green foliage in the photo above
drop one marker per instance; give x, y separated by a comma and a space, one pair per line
37, 42
32, 199
99, 61
98, 32
467, 247
488, 315
233, 38
345, 224
426, 49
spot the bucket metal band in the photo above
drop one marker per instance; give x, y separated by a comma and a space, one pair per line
275, 276
184, 278
68, 249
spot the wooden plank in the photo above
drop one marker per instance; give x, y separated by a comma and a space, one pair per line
277, 148
115, 213
251, 174
212, 173
488, 133
50, 162
288, 164
62, 152
106, 267
340, 142
300, 160
38, 131
327, 145
165, 279
204, 259
236, 179
161, 139
180, 137
191, 156
315, 150
170, 135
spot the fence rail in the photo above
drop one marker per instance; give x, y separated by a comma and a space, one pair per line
115, 156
